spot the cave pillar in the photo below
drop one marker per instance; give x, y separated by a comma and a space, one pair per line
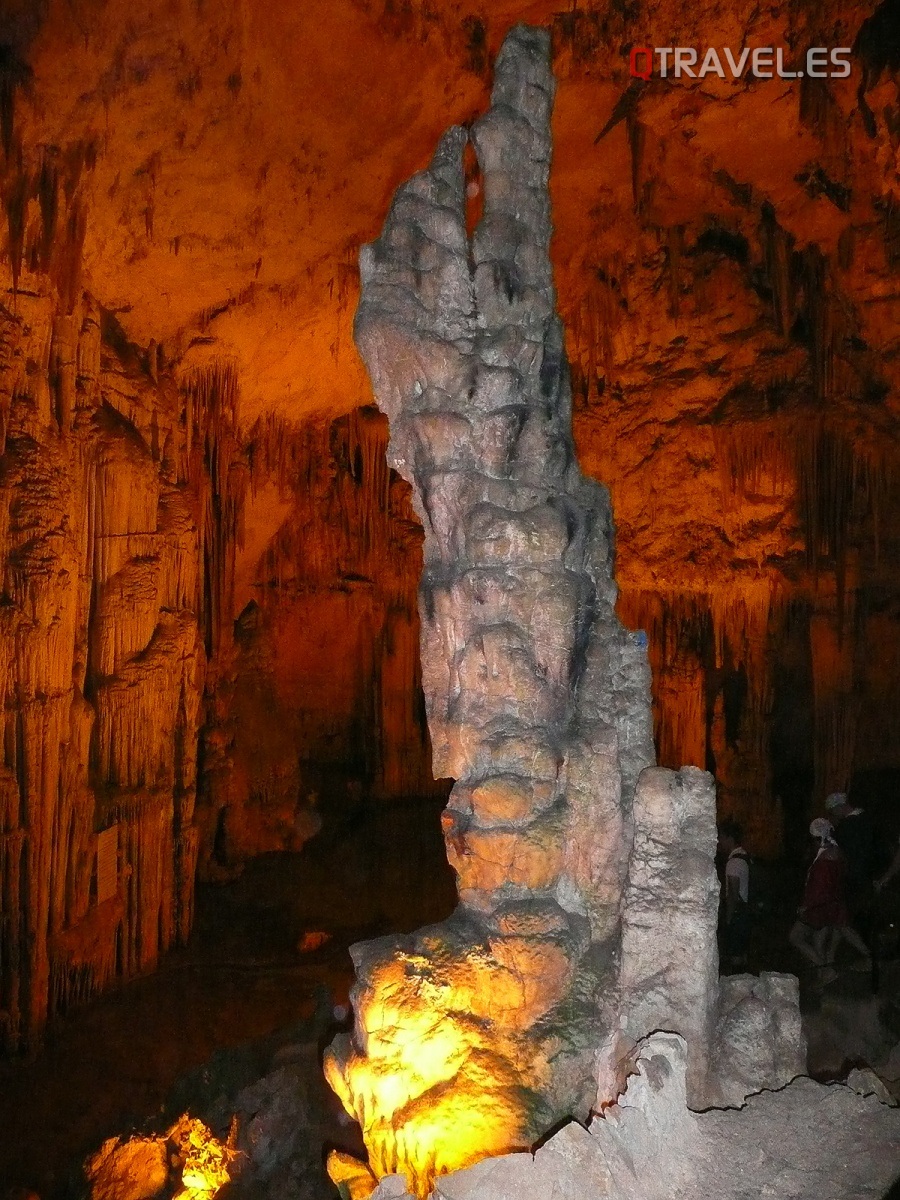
478, 1034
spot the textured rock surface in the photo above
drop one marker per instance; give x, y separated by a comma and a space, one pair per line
110, 601
726, 255
139, 520
669, 967
759, 1041
536, 695
317, 705
805, 1142
186, 1161
134, 1170
123, 498
588, 898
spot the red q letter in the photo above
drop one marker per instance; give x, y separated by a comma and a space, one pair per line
637, 70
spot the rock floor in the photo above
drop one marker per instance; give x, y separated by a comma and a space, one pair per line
111, 1068
210, 1021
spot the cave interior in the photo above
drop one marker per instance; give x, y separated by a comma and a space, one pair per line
215, 766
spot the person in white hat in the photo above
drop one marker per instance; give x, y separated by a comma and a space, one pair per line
822, 918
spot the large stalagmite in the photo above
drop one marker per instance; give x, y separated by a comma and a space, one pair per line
477, 1035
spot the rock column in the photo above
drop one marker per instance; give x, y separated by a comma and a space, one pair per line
475, 1036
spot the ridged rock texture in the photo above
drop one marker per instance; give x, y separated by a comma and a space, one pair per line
318, 700
128, 640
726, 257
176, 588
806, 1141
104, 503
587, 894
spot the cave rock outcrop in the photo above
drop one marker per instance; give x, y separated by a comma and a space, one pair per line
587, 894
801, 1143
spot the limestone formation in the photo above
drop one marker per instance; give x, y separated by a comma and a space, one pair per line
110, 605
478, 1035
759, 1042
805, 1142
669, 966
132, 643
536, 695
729, 314
587, 895
318, 699
186, 1162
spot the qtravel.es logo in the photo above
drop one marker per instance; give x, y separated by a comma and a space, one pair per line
762, 62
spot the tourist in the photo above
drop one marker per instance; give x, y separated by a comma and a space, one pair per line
737, 924
823, 919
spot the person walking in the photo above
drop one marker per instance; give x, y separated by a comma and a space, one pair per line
823, 919
737, 924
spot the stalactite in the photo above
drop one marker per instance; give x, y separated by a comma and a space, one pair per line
14, 74
840, 481
777, 255
637, 137
597, 315
213, 453
820, 112
754, 458
818, 314
834, 650
16, 198
348, 524
891, 218
674, 245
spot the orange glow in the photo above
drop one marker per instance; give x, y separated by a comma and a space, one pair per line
439, 1081
208, 1163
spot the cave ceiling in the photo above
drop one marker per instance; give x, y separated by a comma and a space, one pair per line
726, 252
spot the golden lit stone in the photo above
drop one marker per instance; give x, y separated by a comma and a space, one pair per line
487, 859
437, 1084
352, 1178
208, 1163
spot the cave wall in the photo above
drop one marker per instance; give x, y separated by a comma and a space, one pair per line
320, 704
208, 631
726, 251
726, 256
733, 342
173, 587
107, 614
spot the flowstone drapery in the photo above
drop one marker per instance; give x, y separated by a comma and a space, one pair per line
477, 1035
